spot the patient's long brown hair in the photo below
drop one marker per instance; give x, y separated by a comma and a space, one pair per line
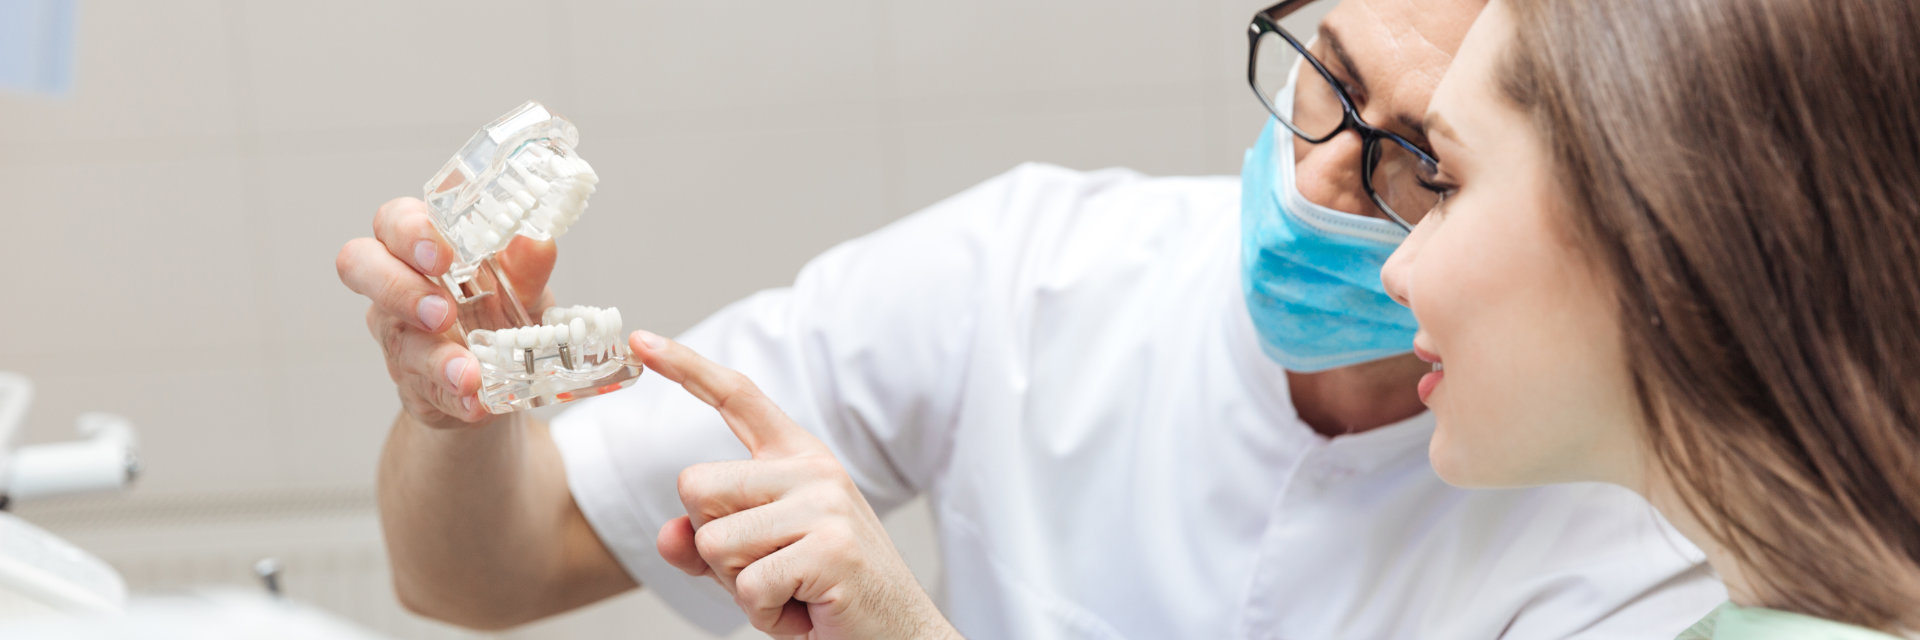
1747, 172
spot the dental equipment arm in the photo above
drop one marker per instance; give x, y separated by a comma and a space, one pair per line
39, 572
104, 461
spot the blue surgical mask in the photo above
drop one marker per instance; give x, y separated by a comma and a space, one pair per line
1311, 274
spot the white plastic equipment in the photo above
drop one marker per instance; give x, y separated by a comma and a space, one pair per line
38, 571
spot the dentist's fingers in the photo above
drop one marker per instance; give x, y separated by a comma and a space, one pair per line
396, 289
405, 227
436, 375
715, 490
767, 589
731, 543
754, 418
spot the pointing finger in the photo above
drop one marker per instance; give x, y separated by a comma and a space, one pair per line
753, 417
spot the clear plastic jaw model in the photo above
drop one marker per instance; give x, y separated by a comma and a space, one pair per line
520, 176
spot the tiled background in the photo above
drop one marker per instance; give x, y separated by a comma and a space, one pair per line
167, 252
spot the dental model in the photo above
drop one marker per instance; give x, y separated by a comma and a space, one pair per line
520, 176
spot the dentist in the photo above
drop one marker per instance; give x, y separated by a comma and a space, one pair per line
1139, 407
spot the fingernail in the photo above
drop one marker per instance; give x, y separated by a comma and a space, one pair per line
433, 311
425, 254
652, 341
469, 403
456, 369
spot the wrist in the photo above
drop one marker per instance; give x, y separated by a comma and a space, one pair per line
933, 625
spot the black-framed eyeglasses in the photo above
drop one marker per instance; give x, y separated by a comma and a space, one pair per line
1398, 176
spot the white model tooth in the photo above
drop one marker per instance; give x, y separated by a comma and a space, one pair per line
562, 333
542, 215
508, 184
577, 330
503, 338
490, 238
534, 184
484, 353
526, 338
487, 205
548, 336
610, 325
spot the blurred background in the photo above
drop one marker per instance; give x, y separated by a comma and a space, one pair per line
168, 251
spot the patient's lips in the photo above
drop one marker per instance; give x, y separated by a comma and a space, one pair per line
1432, 380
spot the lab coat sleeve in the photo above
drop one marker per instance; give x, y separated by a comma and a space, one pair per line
867, 349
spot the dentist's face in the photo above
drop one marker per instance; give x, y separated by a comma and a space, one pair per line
1535, 387
1390, 54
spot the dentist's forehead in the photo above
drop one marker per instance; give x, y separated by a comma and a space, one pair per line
1402, 47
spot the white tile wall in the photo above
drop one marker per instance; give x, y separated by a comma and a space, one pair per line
167, 248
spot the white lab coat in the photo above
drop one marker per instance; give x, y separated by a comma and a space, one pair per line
1062, 362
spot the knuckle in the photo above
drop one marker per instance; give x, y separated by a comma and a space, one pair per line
822, 467
692, 485
392, 342
837, 539
713, 542
736, 385
376, 321
749, 587
395, 292
393, 208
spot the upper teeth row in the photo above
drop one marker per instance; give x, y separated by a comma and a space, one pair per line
605, 321
544, 190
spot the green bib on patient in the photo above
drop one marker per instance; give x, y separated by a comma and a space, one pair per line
1734, 622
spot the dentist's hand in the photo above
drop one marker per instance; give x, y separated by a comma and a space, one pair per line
786, 532
411, 314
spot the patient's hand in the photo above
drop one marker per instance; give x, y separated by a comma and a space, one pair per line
786, 532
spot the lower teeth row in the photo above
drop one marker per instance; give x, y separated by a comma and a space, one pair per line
572, 335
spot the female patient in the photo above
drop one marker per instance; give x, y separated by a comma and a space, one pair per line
1679, 251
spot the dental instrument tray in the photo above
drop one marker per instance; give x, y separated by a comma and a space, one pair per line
520, 176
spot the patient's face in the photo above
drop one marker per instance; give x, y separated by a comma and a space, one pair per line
1535, 388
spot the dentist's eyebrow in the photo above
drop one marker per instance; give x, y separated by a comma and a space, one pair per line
1407, 121
1340, 53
